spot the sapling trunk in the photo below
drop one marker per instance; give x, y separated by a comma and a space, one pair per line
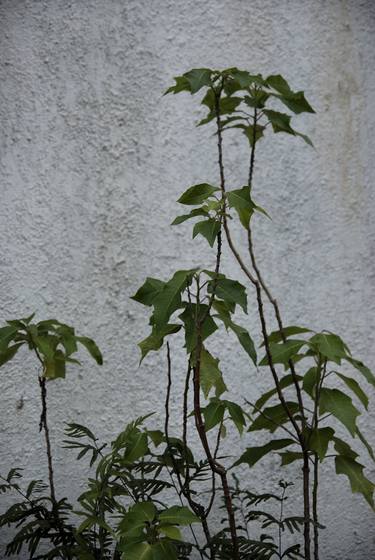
43, 425
315, 507
259, 284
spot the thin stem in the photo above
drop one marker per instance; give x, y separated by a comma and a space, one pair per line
275, 305
258, 287
315, 507
272, 300
43, 425
197, 508
184, 424
306, 504
281, 519
215, 466
213, 490
252, 153
199, 423
182, 503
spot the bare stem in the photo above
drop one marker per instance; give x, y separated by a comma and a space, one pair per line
43, 425
197, 508
259, 285
315, 507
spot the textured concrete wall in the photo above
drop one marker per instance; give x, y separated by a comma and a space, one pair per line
92, 159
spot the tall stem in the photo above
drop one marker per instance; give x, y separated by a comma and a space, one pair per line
185, 490
259, 284
306, 505
281, 519
214, 465
43, 425
274, 303
315, 507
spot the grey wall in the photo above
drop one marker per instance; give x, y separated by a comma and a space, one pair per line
92, 159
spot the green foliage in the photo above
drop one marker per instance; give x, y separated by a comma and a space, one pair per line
147, 491
53, 342
241, 201
252, 92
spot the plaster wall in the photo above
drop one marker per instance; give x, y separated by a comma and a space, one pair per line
92, 159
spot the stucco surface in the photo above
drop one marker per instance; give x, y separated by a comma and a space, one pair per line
92, 161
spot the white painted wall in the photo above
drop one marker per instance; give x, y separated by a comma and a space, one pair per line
92, 159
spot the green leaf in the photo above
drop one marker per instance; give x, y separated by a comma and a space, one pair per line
305, 138
182, 84
9, 353
366, 444
277, 82
330, 346
248, 130
253, 454
209, 100
6, 335
245, 79
245, 340
70, 344
171, 532
236, 414
344, 449
280, 121
285, 381
148, 292
355, 387
208, 228
296, 102
91, 347
358, 482
169, 298
224, 310
310, 381
273, 417
289, 457
210, 374
319, 439
55, 368
198, 78
230, 291
213, 413
163, 550
137, 447
144, 511
197, 194
188, 317
241, 201
257, 99
156, 339
46, 345
193, 214
227, 105
137, 551
277, 336
86, 524
229, 120
341, 406
156, 436
282, 352
178, 515
364, 370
